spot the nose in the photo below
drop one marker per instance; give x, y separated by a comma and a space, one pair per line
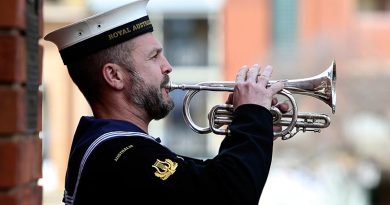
166, 66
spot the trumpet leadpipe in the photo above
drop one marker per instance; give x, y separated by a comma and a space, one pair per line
226, 86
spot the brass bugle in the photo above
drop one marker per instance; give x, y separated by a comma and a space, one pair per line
322, 87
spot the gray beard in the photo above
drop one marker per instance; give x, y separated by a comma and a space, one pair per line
150, 98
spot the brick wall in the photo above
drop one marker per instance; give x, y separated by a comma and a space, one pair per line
20, 102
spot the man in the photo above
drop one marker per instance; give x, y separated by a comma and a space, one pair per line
121, 70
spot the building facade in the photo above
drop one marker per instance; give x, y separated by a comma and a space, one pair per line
211, 40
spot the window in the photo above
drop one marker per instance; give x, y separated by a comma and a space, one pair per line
284, 24
186, 41
285, 21
53, 1
374, 5
189, 38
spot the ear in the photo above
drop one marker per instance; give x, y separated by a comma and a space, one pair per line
114, 75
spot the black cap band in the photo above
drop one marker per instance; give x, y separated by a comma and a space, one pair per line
104, 40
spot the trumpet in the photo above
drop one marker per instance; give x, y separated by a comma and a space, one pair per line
321, 86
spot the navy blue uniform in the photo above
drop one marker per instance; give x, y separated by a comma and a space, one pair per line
115, 162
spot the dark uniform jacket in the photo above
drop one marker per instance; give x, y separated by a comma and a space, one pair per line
115, 162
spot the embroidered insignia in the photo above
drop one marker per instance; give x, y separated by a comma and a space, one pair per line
164, 169
122, 151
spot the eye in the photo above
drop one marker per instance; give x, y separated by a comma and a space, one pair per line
155, 55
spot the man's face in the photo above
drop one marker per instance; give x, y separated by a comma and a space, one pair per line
151, 74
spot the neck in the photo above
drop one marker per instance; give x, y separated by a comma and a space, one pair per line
126, 112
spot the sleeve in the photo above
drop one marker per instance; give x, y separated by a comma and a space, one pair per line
245, 155
236, 175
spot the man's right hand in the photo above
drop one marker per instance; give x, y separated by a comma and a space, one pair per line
251, 87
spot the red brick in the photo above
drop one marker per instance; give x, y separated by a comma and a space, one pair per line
24, 195
12, 58
12, 14
36, 152
20, 161
35, 111
13, 114
40, 64
40, 18
39, 112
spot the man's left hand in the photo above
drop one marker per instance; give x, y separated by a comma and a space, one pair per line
283, 107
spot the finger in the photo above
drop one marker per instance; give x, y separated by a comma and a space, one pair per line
265, 75
230, 99
251, 76
276, 87
277, 128
283, 107
274, 101
241, 75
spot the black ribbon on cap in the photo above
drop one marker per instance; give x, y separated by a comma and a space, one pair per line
106, 39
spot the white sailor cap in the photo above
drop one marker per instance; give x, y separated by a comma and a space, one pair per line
101, 31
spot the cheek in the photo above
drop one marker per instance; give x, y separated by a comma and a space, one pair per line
153, 81
151, 73
156, 77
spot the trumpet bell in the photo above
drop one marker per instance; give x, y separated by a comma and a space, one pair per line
321, 86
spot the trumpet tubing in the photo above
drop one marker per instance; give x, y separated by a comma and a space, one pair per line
322, 87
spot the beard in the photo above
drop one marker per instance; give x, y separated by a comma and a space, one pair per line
150, 98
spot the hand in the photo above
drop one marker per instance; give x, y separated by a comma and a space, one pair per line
283, 107
251, 87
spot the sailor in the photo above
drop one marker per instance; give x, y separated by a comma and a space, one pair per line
120, 68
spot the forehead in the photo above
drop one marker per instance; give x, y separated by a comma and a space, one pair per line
145, 42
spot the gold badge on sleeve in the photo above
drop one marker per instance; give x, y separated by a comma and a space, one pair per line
164, 169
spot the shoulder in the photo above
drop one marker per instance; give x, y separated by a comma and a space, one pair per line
137, 160
117, 149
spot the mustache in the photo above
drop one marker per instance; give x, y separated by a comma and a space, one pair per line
165, 81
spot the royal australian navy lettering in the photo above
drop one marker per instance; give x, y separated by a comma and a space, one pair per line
141, 25
106, 39
119, 33
128, 30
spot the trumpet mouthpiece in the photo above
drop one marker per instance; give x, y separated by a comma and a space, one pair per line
170, 86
